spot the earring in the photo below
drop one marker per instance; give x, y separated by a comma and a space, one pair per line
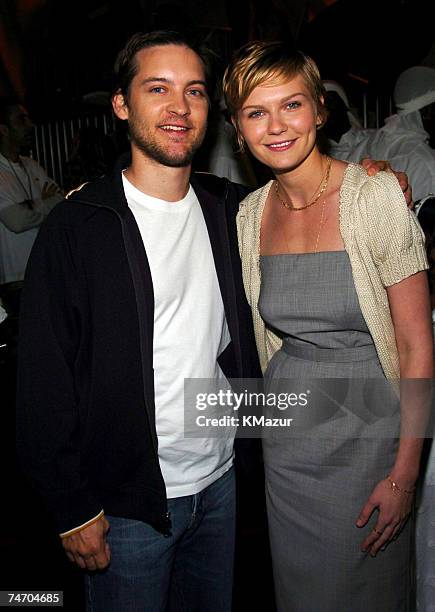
240, 142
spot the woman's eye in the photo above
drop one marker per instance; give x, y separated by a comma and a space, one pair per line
293, 105
255, 114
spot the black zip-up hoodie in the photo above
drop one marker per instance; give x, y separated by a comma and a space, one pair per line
86, 432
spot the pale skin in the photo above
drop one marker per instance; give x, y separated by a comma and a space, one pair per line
279, 121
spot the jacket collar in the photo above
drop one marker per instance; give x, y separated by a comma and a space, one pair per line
108, 191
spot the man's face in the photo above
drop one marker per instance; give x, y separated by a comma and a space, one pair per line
20, 127
167, 104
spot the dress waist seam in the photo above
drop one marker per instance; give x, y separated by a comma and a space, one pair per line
332, 355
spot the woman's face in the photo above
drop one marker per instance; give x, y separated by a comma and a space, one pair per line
279, 123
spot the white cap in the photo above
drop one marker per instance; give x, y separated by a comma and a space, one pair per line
334, 86
414, 89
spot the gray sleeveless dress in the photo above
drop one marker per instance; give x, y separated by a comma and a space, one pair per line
318, 482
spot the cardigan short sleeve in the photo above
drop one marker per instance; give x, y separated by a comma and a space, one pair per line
395, 235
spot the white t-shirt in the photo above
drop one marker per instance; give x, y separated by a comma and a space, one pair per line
190, 331
18, 223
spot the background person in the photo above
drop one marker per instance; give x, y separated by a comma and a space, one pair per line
408, 136
343, 130
223, 159
27, 194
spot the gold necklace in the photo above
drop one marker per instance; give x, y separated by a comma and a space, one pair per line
320, 226
323, 185
316, 244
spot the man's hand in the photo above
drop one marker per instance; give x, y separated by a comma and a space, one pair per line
49, 189
88, 548
373, 167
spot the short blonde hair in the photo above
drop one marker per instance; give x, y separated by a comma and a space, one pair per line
260, 61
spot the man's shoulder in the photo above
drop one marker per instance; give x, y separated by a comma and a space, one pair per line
219, 186
79, 204
64, 215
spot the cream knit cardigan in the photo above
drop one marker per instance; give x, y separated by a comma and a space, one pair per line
382, 237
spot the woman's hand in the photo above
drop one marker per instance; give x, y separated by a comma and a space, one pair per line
394, 509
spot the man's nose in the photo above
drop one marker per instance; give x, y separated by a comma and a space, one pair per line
179, 104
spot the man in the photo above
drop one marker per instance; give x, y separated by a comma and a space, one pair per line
407, 137
27, 194
343, 129
134, 284
222, 158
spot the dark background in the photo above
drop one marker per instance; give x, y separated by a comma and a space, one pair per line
54, 52
57, 56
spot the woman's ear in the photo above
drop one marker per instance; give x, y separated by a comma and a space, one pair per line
322, 113
239, 137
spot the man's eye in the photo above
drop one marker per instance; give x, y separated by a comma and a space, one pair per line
157, 89
293, 105
196, 92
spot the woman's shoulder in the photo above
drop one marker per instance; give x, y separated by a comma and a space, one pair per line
374, 209
380, 192
356, 176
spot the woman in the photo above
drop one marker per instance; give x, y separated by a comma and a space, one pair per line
334, 270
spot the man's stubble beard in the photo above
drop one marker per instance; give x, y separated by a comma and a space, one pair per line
155, 151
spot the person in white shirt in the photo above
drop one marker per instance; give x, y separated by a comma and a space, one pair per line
407, 136
225, 160
343, 129
27, 194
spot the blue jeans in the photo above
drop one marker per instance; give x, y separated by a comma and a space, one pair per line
191, 570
